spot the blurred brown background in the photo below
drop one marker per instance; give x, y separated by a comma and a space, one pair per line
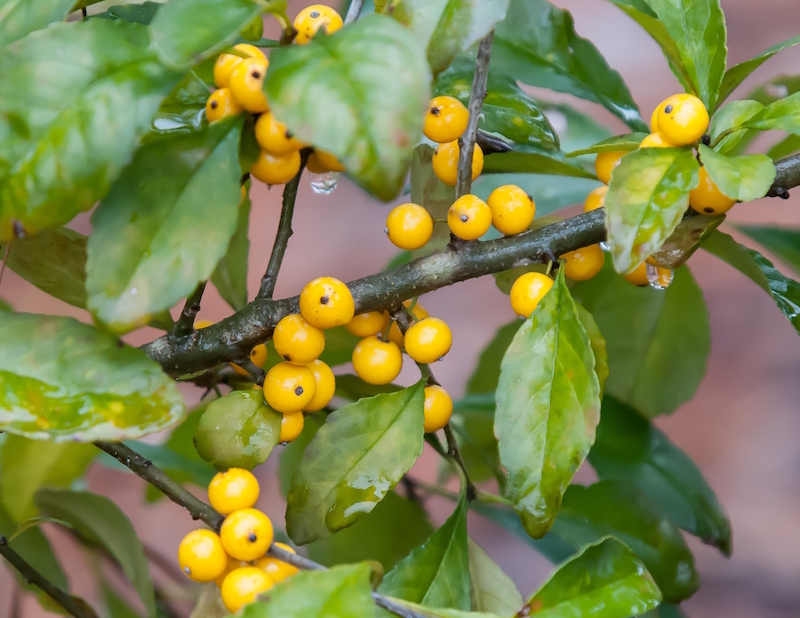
743, 428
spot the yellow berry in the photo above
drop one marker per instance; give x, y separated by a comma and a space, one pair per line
325, 387
409, 226
367, 324
275, 170
242, 586
314, 166
225, 63
469, 217
512, 209
395, 334
682, 119
277, 569
445, 162
326, 303
221, 104
654, 121
446, 119
527, 291
638, 276
201, 324
274, 137
258, 355
250, 51
605, 163
428, 340
328, 162
246, 534
201, 556
291, 426
314, 18
707, 198
596, 199
232, 565
297, 341
246, 84
232, 490
584, 263
656, 140
289, 388
376, 361
438, 408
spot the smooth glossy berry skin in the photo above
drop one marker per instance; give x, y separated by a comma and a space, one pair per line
232, 565
638, 276
445, 162
225, 63
428, 340
232, 490
274, 170
328, 162
246, 82
242, 586
246, 534
311, 20
409, 226
291, 426
274, 137
201, 556
469, 217
258, 355
706, 198
438, 408
512, 209
297, 341
376, 361
596, 199
289, 388
326, 302
325, 386
368, 324
656, 140
221, 104
682, 119
395, 334
654, 121
583, 263
605, 163
527, 291
277, 569
446, 119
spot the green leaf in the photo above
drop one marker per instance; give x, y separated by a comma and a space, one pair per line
537, 44
598, 345
164, 226
698, 29
737, 74
332, 487
783, 114
436, 574
353, 388
238, 430
55, 262
210, 604
787, 146
230, 276
630, 448
783, 243
784, 291
338, 91
339, 344
21, 17
137, 13
184, 109
618, 143
744, 178
775, 89
65, 381
101, 522
658, 342
604, 580
548, 405
116, 606
486, 374
648, 194
188, 31
727, 129
97, 86
432, 194
341, 591
550, 192
393, 528
292, 454
493, 590
27, 465
473, 427
530, 160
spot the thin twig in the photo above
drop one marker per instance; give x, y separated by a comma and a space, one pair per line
467, 142
185, 323
354, 11
390, 605
5, 262
75, 606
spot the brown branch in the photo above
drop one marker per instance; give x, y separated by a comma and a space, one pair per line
185, 324
787, 177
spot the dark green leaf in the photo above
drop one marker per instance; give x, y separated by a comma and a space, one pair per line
537, 44
787, 146
440, 612
698, 29
238, 430
744, 178
530, 160
598, 345
55, 262
115, 605
436, 574
485, 376
431, 193
604, 580
183, 110
20, 17
332, 487
62, 380
783, 114
292, 454
97, 86
648, 194
101, 522
548, 405
337, 92
137, 13
230, 276
339, 344
727, 125
630, 448
550, 192
783, 243
658, 341
474, 431
164, 226
618, 143
493, 591
686, 239
353, 388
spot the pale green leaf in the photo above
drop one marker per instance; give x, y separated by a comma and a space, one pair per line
744, 178
20, 17
493, 591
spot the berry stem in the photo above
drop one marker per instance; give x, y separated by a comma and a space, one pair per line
185, 324
354, 11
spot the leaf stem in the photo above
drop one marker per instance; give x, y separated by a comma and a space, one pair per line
185, 324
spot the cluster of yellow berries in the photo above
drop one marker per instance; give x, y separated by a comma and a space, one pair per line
239, 78
236, 557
